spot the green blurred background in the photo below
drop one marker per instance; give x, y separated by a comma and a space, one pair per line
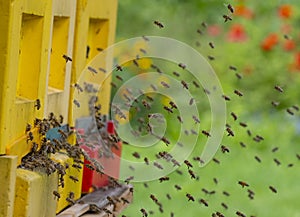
262, 42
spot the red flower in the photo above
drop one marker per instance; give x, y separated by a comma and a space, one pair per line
289, 45
285, 11
243, 11
296, 64
237, 33
269, 42
214, 30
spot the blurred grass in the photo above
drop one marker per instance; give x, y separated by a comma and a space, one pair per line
181, 20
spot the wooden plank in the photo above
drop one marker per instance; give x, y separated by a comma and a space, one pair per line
96, 204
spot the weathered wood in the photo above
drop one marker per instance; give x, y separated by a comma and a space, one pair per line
96, 204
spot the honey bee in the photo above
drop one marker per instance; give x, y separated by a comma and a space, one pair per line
210, 57
243, 184
165, 178
238, 75
119, 68
229, 131
277, 161
146, 104
199, 31
62, 133
78, 87
234, 116
181, 65
224, 149
227, 98
226, 193
180, 119
92, 70
146, 161
173, 105
238, 213
28, 128
168, 196
275, 149
158, 165
219, 214
216, 160
61, 119
145, 38
227, 18
275, 104
239, 93
87, 52
67, 58
295, 107
203, 24
70, 198
230, 8
190, 197
73, 178
144, 212
159, 24
164, 84
177, 187
37, 104
258, 159
102, 70
76, 103
176, 74
169, 110
124, 200
196, 84
207, 134
136, 155
119, 77
243, 124
29, 137
211, 45
204, 202
288, 110
224, 205
186, 162
192, 174
191, 101
185, 85
278, 88
135, 63
233, 68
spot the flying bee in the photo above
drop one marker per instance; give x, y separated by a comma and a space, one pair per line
190, 197
173, 105
146, 161
249, 132
226, 193
199, 31
177, 187
191, 101
186, 162
243, 184
238, 75
73, 178
176, 74
164, 84
158, 165
239, 93
179, 119
181, 65
233, 68
159, 24
230, 8
196, 84
165, 140
238, 213
224, 149
153, 198
102, 70
207, 134
258, 159
203, 24
234, 116
206, 91
144, 212
146, 104
243, 124
78, 87
227, 98
275, 104
92, 70
175, 163
67, 58
210, 57
278, 88
119, 77
37, 104
211, 45
288, 110
145, 38
224, 205
227, 18
192, 174
277, 161
135, 62
150, 98
136, 155
229, 131
275, 149
197, 121
295, 107
169, 110
204, 202
165, 178
76, 103
56, 195
185, 85
272, 189
216, 160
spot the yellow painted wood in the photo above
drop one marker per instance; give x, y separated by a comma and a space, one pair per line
33, 197
70, 185
8, 166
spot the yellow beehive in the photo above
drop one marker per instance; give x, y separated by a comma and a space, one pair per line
34, 36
